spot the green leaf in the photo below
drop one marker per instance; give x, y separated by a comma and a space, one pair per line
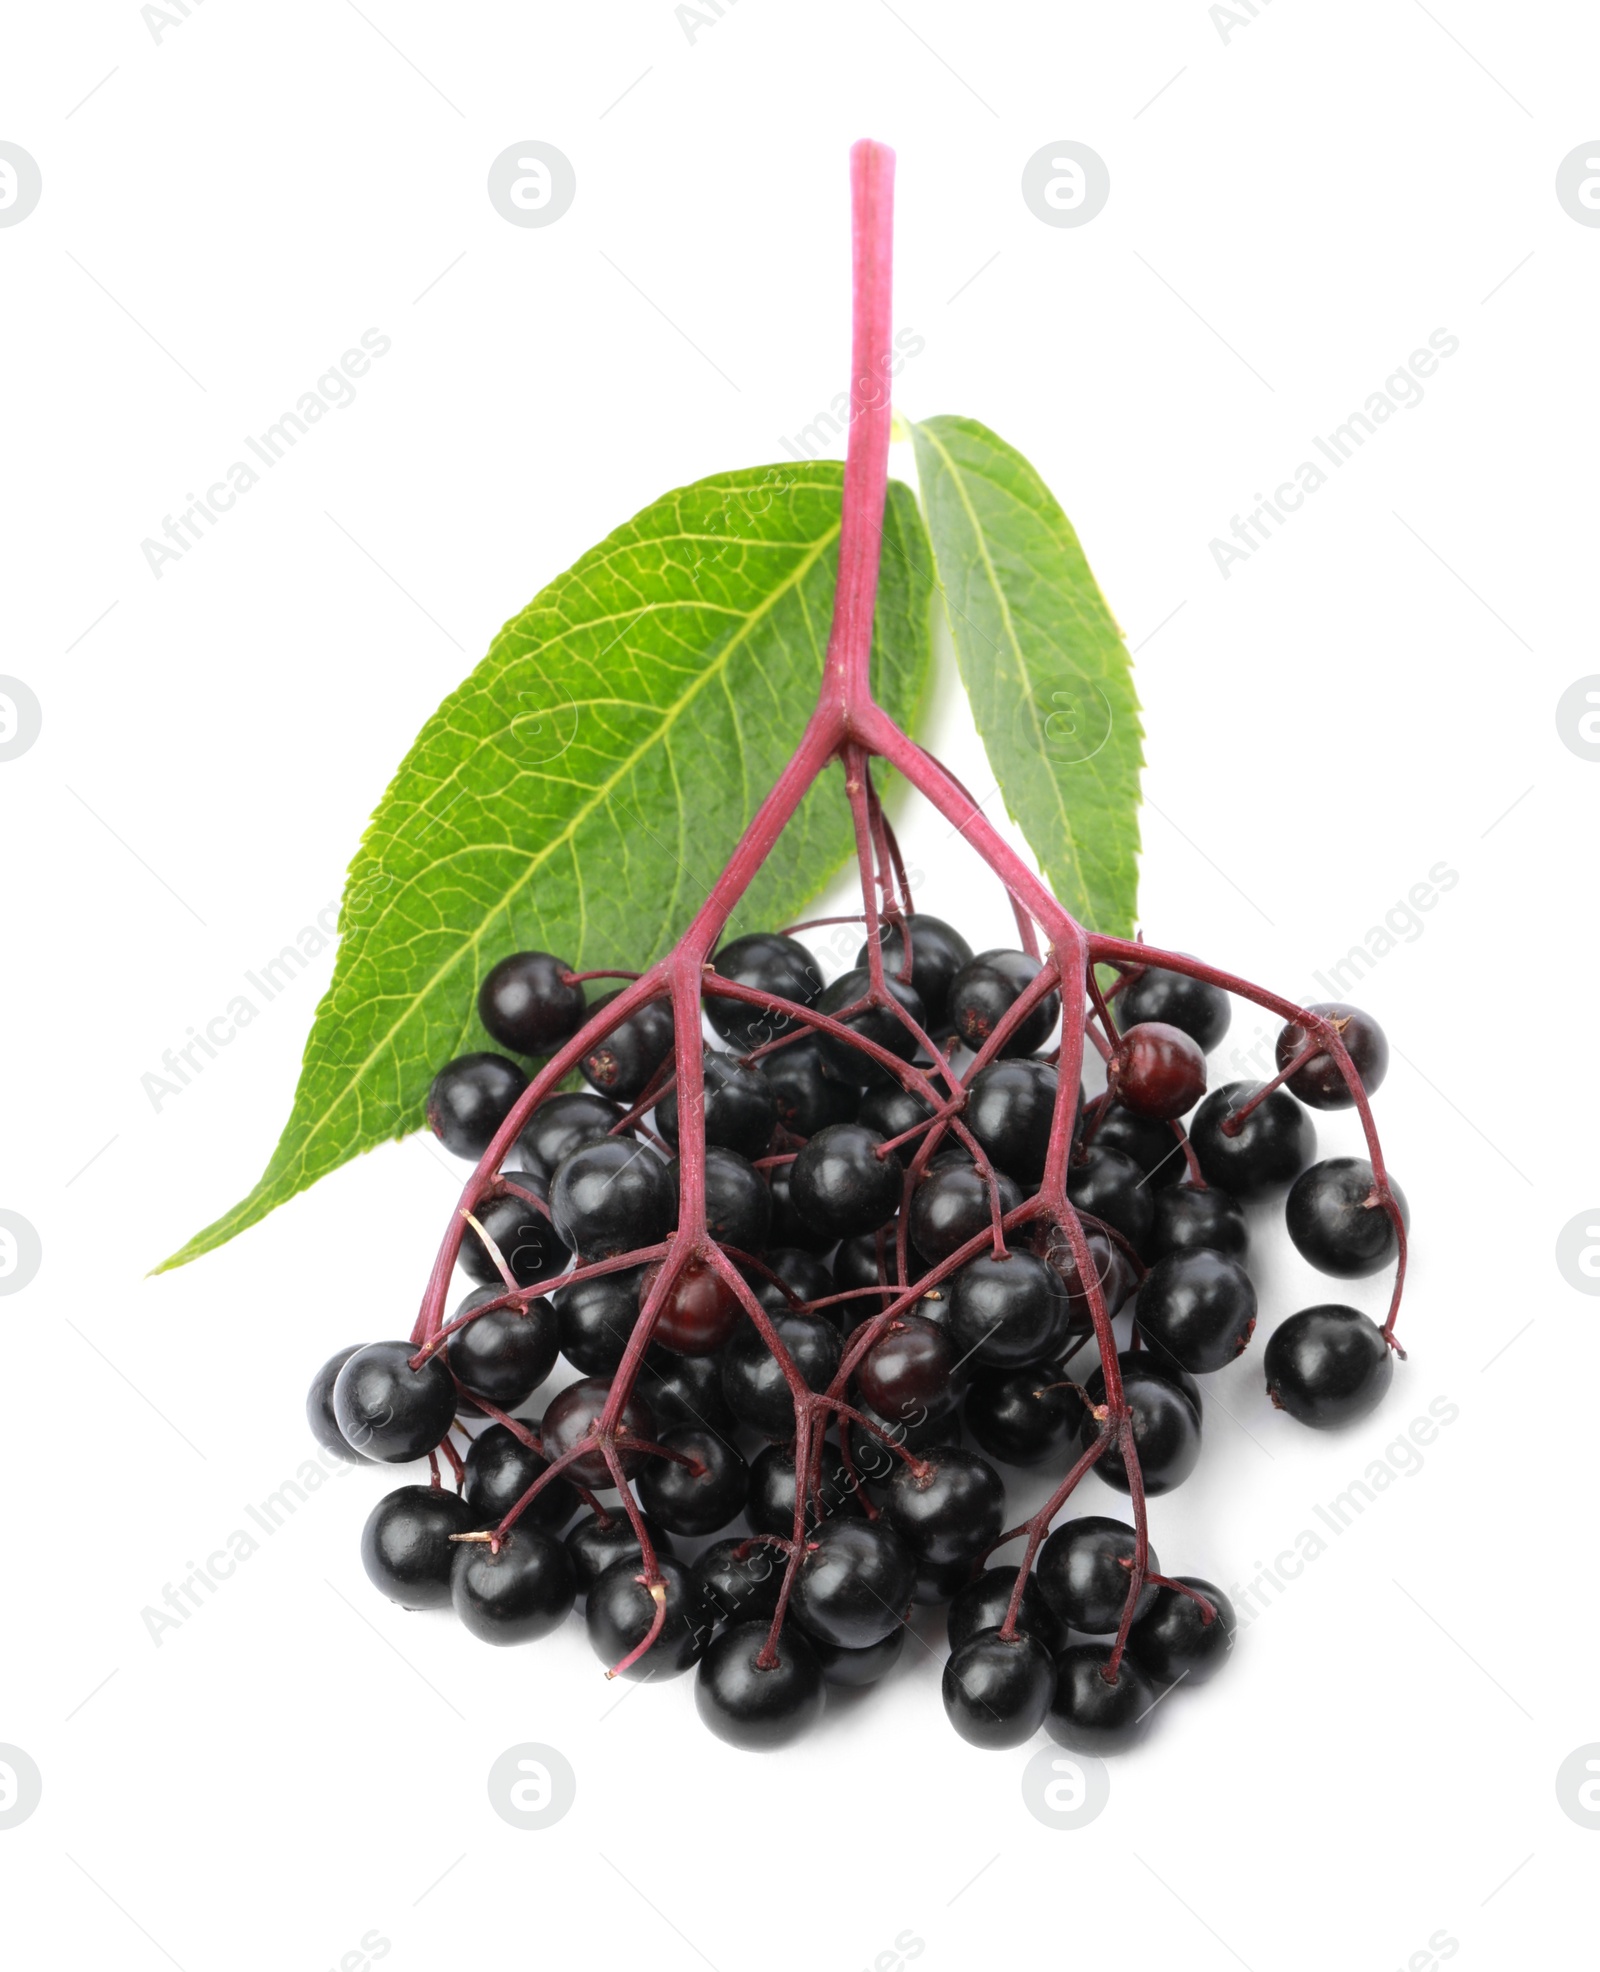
1044, 664
580, 792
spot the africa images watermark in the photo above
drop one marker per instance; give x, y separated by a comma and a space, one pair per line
205, 1043
829, 426
334, 390
1401, 1459
1402, 391
181, 1601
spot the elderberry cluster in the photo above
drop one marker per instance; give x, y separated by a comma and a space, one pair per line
823, 1197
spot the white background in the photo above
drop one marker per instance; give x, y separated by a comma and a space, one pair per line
1372, 693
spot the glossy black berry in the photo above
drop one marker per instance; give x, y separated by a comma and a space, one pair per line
1199, 1308
892, 1112
854, 1670
569, 1423
740, 1108
319, 1410
1007, 1312
518, 1595
1090, 1714
753, 1705
878, 1024
597, 1545
406, 1547
1109, 1268
998, 1689
982, 1605
506, 1354
1319, 1083
1166, 1408
1189, 1216
739, 1588
985, 990
770, 1508
1157, 1070
938, 952
738, 1202
841, 1186
1175, 1641
699, 1498
565, 1123
953, 1204
389, 1411
1202, 1010
522, 1233
470, 1098
949, 1511
684, 1390
806, 1277
1151, 1145
500, 1469
1024, 1417
1010, 1107
854, 1583
1328, 1366
1109, 1186
870, 1443
595, 1317
527, 1005
770, 963
789, 1228
1272, 1146
1084, 1571
910, 1373
611, 1198
622, 1065
620, 1611
806, 1096
753, 1382
1335, 1227
857, 1263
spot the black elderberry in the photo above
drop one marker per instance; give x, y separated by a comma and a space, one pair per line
985, 990
1336, 1222
1328, 1366
389, 1410
841, 1186
938, 952
741, 1109
1199, 1008
770, 963
528, 1005
1272, 1146
877, 1024
470, 1098
612, 1197
623, 1063
522, 1233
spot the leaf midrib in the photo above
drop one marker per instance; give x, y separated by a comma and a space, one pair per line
1010, 629
714, 670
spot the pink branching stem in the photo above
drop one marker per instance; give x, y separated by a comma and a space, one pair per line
849, 727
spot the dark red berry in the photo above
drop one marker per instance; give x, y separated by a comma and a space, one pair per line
1157, 1071
699, 1312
